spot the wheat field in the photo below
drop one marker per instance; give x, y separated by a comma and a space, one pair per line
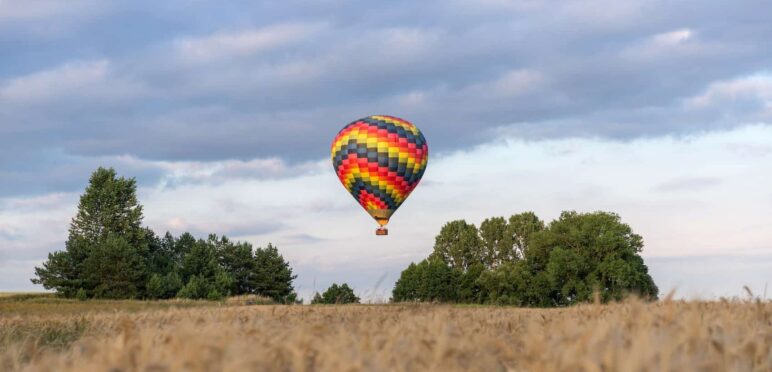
231, 336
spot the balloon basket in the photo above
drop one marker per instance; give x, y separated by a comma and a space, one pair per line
381, 231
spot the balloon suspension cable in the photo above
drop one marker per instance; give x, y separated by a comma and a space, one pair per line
381, 231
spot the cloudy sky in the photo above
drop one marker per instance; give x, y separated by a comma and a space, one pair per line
660, 111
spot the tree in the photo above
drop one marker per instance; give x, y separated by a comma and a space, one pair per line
155, 287
108, 213
161, 256
513, 283
272, 275
109, 254
595, 251
469, 289
196, 288
407, 286
458, 245
567, 272
429, 280
202, 273
496, 243
238, 260
114, 269
521, 262
163, 287
60, 273
336, 294
520, 230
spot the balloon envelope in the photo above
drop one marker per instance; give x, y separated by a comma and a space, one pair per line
380, 160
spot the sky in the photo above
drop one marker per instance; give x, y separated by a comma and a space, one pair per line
659, 111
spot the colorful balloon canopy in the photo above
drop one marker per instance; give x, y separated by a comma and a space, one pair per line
380, 160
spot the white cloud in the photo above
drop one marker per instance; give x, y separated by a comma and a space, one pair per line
756, 88
672, 38
216, 172
93, 79
245, 42
682, 42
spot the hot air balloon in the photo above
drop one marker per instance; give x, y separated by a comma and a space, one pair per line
380, 160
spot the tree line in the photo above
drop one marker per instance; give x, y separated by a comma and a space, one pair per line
523, 261
109, 254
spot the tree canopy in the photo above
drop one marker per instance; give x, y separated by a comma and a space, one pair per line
108, 254
521, 261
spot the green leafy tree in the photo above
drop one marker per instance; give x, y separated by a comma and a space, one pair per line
336, 294
272, 275
114, 269
525, 263
520, 230
408, 285
108, 213
600, 251
496, 242
458, 245
514, 283
567, 272
469, 289
429, 280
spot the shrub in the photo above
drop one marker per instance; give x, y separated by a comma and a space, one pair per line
81, 295
336, 294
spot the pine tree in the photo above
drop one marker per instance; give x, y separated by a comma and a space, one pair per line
272, 274
107, 225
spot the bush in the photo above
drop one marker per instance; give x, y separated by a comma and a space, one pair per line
197, 288
171, 285
214, 295
155, 287
336, 294
81, 295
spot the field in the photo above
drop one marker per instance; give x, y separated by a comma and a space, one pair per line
45, 333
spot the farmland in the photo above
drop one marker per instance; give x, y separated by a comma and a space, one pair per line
46, 333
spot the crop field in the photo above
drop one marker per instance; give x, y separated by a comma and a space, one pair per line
45, 333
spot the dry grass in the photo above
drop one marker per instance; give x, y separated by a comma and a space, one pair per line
48, 304
13, 294
631, 336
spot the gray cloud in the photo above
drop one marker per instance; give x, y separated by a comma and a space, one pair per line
278, 80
